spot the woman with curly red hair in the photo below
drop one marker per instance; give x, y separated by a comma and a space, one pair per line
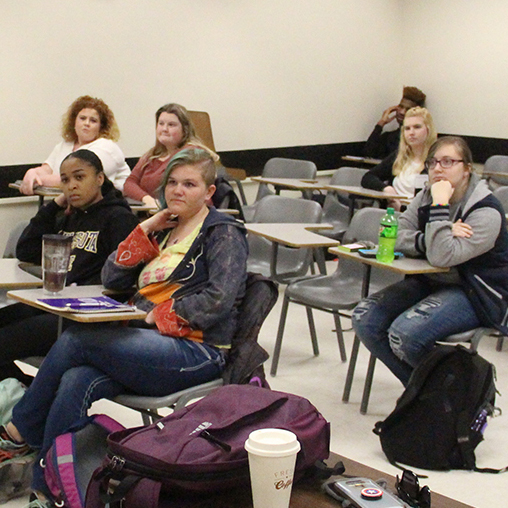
89, 123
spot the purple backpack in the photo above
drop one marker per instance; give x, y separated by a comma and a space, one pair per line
200, 448
73, 458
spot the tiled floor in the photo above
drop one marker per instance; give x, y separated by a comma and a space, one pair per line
321, 380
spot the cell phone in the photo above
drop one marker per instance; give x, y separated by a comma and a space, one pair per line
364, 492
371, 253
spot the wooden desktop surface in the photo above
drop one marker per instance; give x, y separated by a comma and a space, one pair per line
30, 297
364, 192
292, 234
40, 190
405, 265
361, 160
290, 183
305, 494
13, 277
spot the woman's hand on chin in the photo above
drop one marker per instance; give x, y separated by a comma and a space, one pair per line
161, 220
441, 192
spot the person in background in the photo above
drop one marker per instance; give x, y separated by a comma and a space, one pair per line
98, 218
383, 141
88, 124
456, 223
174, 130
189, 262
398, 172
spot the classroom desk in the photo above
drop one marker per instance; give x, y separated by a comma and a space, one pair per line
30, 297
41, 191
494, 173
14, 277
369, 161
358, 191
405, 266
295, 235
305, 494
303, 185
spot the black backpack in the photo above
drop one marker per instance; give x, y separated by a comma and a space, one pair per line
442, 415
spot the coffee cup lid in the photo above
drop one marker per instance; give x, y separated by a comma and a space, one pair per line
272, 443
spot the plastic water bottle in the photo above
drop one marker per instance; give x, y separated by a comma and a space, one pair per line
387, 237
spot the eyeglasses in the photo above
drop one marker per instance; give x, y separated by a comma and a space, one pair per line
445, 162
410, 492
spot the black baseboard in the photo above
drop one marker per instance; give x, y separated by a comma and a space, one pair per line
252, 161
324, 156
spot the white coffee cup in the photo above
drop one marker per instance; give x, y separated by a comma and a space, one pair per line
272, 458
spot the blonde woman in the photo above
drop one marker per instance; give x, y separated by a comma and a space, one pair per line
89, 124
398, 173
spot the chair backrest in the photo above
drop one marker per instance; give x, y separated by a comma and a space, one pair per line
12, 241
291, 262
246, 355
203, 126
347, 176
365, 226
497, 164
279, 167
501, 193
334, 210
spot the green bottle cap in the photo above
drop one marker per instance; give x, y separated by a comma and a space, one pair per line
391, 211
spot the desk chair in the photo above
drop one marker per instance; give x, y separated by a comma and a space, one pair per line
335, 211
338, 292
496, 164
349, 176
245, 359
12, 240
501, 193
203, 126
281, 263
279, 167
473, 337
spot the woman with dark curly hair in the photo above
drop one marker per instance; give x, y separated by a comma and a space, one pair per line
88, 123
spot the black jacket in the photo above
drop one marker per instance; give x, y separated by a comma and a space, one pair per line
96, 233
381, 175
380, 144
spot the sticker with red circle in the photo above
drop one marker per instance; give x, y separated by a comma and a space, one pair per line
371, 493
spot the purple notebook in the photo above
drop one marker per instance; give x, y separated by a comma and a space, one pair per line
93, 304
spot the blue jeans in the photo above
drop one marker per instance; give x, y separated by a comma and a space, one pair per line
400, 324
91, 362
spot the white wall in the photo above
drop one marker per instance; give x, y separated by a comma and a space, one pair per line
457, 52
270, 72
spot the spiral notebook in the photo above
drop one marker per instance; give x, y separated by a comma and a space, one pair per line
86, 305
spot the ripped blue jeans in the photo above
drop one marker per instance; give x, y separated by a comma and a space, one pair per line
400, 324
93, 361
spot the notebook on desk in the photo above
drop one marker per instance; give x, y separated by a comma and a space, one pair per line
86, 305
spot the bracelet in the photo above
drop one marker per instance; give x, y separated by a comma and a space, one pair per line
440, 204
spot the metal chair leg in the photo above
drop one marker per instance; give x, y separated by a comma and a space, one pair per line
312, 329
351, 369
368, 385
340, 337
280, 333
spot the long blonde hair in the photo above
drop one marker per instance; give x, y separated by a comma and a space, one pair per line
405, 153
